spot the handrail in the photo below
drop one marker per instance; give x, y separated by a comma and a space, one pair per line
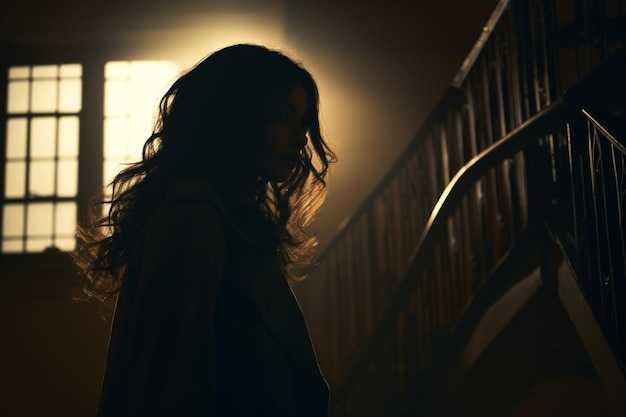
595, 118
520, 65
435, 115
586, 216
560, 118
477, 166
473, 55
512, 143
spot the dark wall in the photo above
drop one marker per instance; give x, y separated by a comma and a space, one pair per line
52, 349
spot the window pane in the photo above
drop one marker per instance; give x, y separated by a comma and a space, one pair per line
71, 71
132, 94
111, 168
18, 97
135, 144
19, 73
45, 71
67, 178
16, 138
65, 244
143, 104
41, 183
42, 137
143, 69
13, 220
140, 130
44, 97
39, 244
65, 222
12, 246
70, 95
15, 180
68, 136
116, 69
116, 137
39, 219
41, 157
116, 98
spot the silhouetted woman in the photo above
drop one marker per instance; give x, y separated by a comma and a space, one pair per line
201, 240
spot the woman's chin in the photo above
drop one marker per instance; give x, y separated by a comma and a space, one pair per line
281, 175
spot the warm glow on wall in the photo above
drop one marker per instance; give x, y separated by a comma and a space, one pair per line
195, 37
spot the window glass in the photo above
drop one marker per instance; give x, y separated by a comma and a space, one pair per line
18, 94
44, 96
68, 137
15, 179
41, 157
17, 131
132, 93
43, 133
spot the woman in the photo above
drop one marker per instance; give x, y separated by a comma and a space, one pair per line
200, 243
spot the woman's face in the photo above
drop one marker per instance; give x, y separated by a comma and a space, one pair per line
286, 135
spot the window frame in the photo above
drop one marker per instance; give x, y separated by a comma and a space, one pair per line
24, 197
93, 59
90, 134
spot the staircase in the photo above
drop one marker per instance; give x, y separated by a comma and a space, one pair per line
486, 273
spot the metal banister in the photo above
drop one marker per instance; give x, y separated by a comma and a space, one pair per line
528, 57
465, 178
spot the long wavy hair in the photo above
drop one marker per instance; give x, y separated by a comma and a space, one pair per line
211, 126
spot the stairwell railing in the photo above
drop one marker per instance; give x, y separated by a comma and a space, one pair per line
529, 53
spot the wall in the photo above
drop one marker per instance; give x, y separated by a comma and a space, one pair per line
52, 349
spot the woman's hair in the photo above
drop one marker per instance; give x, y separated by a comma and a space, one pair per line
211, 126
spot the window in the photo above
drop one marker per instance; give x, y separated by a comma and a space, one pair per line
131, 97
41, 157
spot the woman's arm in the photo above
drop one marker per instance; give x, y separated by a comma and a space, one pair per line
171, 346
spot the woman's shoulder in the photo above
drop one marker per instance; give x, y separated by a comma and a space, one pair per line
189, 208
